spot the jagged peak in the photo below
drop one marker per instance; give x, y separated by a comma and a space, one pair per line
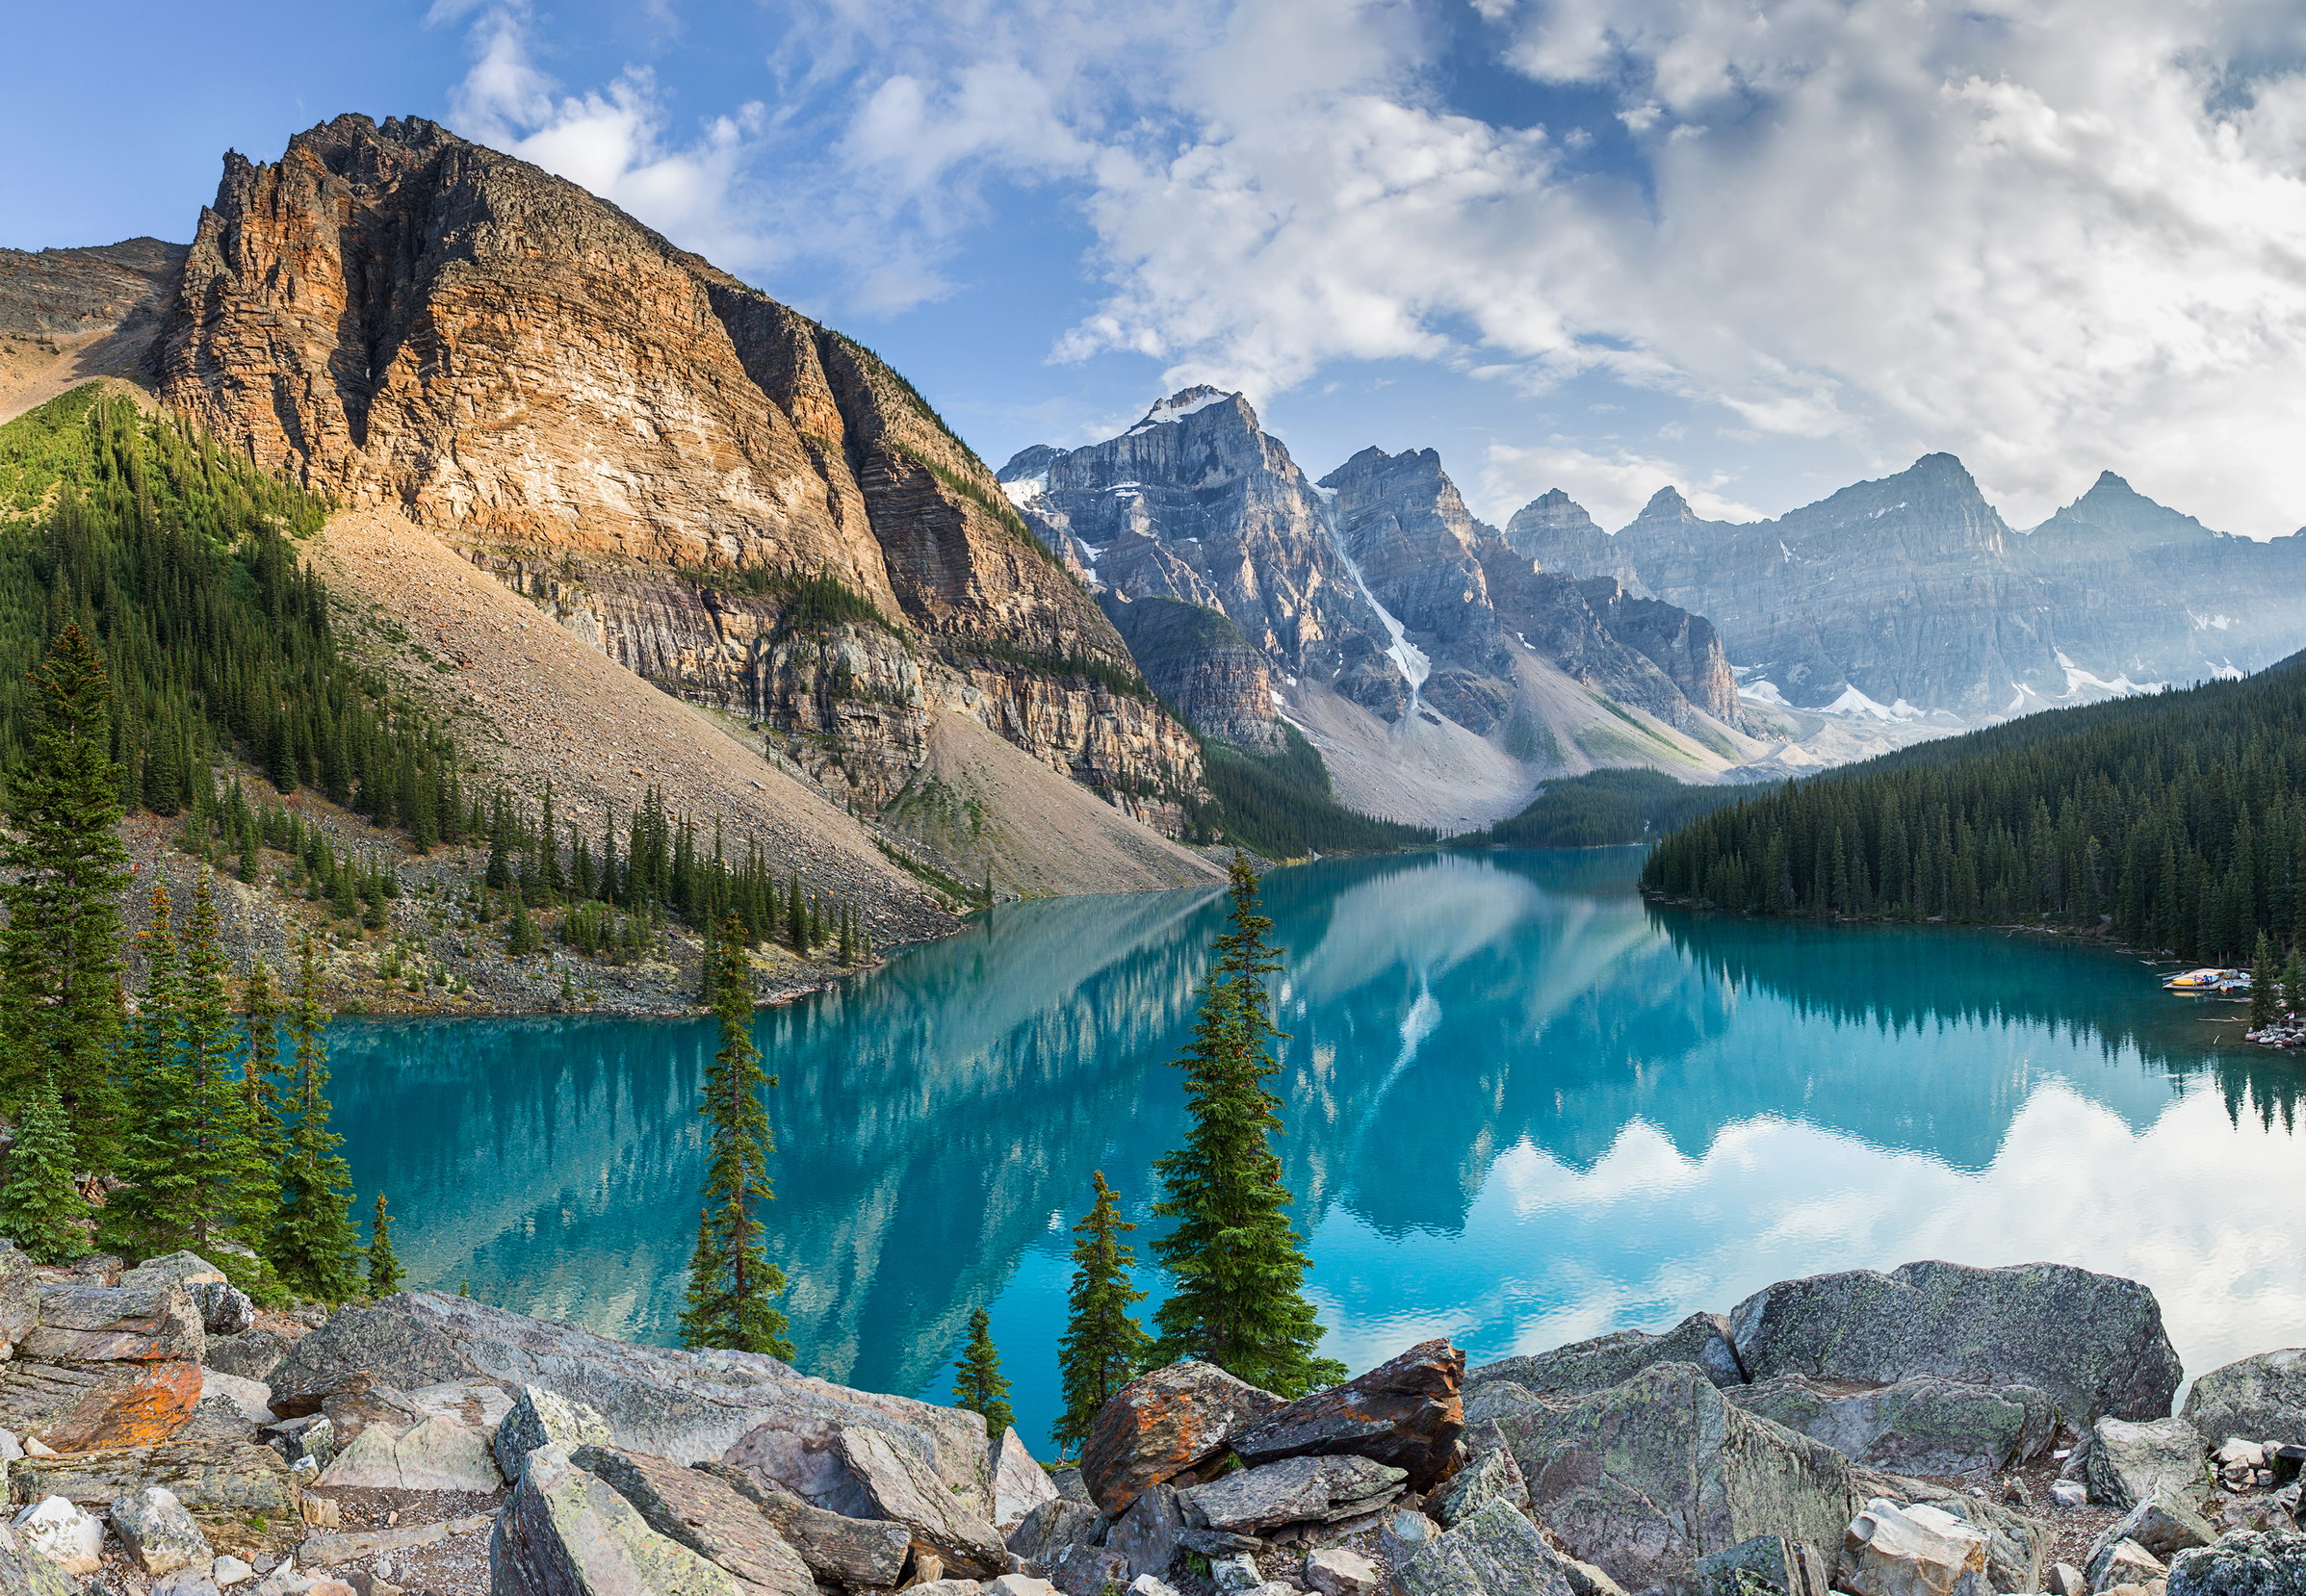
1373, 459
1189, 401
1666, 504
1554, 507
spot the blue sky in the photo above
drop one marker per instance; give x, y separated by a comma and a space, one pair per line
1757, 248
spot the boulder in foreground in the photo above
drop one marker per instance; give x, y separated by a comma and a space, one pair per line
2259, 1398
1921, 1426
566, 1532
2094, 1342
1405, 1412
1164, 1425
1584, 1367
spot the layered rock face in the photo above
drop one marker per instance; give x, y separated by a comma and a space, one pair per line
744, 506
1435, 666
1467, 596
1914, 588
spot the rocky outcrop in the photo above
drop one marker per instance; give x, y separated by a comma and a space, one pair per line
69, 316
1197, 659
1606, 1360
1406, 1412
1916, 1426
687, 473
1164, 1425
2094, 1342
2260, 1398
1913, 588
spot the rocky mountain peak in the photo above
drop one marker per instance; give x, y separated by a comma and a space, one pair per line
1194, 401
1555, 508
1666, 504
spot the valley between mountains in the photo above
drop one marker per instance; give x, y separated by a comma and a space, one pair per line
626, 526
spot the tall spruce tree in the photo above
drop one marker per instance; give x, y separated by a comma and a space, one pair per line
1237, 1266
151, 1206
384, 1264
977, 1384
226, 1173
314, 1246
41, 1208
60, 957
1104, 1347
2265, 983
732, 1285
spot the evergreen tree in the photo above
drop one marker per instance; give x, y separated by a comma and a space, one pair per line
1105, 1348
261, 1080
1237, 1266
384, 1266
315, 1246
60, 957
152, 1205
521, 936
732, 1285
41, 1208
225, 1170
977, 1384
2266, 980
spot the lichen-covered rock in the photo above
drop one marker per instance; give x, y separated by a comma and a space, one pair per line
1490, 1474
224, 1308
860, 1552
2250, 1562
1048, 1529
1649, 1475
704, 1514
2117, 1562
1405, 1412
2259, 1398
1767, 1565
250, 1399
2094, 1342
2164, 1523
898, 1486
1584, 1367
1163, 1424
567, 1533
1925, 1425
2016, 1545
19, 1294
540, 1417
1493, 1552
89, 1407
438, 1454
157, 1534
385, 1347
26, 1573
252, 1354
64, 1534
1297, 1490
238, 1478
1088, 1571
1020, 1484
2128, 1463
1916, 1551
84, 1324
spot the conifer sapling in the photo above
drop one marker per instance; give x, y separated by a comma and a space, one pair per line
1104, 1347
41, 1208
977, 1384
384, 1265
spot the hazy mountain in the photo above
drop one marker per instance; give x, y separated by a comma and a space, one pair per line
1910, 594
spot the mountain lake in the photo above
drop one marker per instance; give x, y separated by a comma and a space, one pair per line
1522, 1107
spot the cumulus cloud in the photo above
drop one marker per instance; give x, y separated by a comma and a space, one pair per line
2048, 234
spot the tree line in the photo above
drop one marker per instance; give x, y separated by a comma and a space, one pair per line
1236, 1267
2176, 822
170, 1122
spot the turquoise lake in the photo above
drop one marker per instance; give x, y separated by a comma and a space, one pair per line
1524, 1107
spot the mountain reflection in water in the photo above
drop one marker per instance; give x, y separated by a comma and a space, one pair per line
1522, 1107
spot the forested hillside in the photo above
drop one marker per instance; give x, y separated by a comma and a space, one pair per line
2174, 822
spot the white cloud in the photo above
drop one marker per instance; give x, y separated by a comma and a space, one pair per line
1613, 486
613, 142
2048, 234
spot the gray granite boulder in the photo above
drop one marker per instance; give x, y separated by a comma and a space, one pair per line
2128, 1463
540, 1419
2164, 1524
1490, 1474
897, 1484
1297, 1490
566, 1532
2094, 1342
1767, 1565
251, 1354
224, 1308
2249, 1564
704, 1514
742, 1408
1492, 1552
2259, 1398
361, 1347
156, 1531
1920, 1426
1020, 1484
1053, 1526
2017, 1547
1089, 1571
1584, 1367
1150, 1533
24, 1572
862, 1551
1646, 1477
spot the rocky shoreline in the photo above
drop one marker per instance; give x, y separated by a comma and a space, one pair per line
1937, 1431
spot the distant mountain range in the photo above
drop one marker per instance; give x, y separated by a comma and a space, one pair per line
1441, 674
1910, 594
